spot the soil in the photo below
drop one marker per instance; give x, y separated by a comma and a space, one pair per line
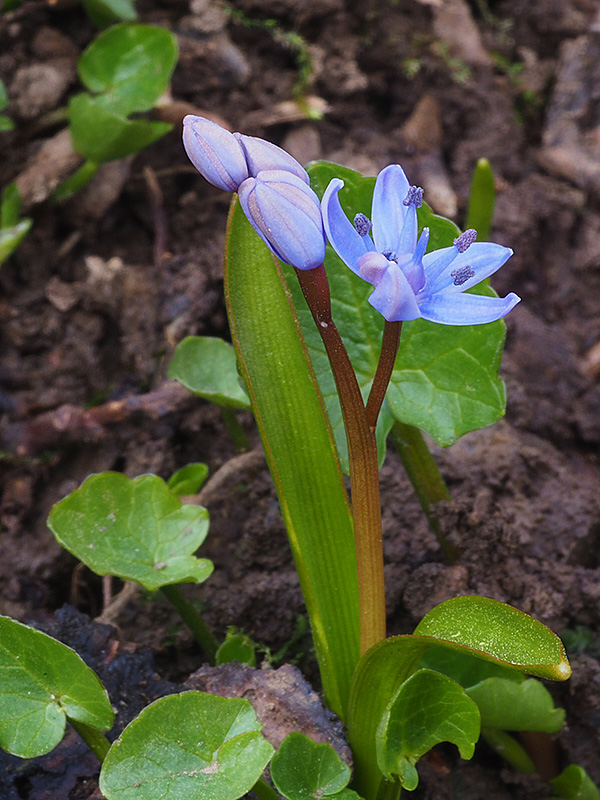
95, 299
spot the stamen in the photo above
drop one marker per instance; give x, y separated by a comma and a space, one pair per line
390, 255
362, 224
465, 240
414, 197
462, 274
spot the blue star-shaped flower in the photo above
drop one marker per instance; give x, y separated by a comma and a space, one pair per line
408, 282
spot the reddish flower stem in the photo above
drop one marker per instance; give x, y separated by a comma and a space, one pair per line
387, 359
364, 470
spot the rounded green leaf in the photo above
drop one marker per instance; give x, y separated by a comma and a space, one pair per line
42, 684
135, 529
303, 770
99, 134
237, 647
192, 745
428, 708
188, 479
106, 12
516, 706
498, 631
207, 367
130, 65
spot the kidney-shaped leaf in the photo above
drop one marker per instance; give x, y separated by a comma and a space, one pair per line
428, 708
42, 683
304, 770
135, 529
130, 65
188, 479
516, 706
207, 367
192, 745
99, 134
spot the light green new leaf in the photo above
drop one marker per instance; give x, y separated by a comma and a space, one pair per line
207, 367
100, 134
42, 684
574, 783
192, 745
446, 378
304, 770
428, 708
477, 626
129, 66
188, 479
135, 529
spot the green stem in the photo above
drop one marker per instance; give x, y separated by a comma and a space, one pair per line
96, 741
425, 477
389, 790
385, 366
364, 469
235, 430
204, 636
264, 791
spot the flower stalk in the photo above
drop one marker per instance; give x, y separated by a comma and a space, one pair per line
385, 367
364, 469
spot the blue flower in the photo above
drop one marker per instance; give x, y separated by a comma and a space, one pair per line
285, 213
409, 283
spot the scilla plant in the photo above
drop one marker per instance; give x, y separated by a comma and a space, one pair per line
330, 365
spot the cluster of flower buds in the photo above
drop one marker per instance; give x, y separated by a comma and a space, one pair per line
273, 188
387, 252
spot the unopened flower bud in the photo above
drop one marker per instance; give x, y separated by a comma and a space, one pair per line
215, 152
285, 212
262, 155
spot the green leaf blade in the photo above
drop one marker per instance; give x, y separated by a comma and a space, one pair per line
130, 65
300, 451
304, 770
137, 530
429, 708
42, 683
192, 745
207, 367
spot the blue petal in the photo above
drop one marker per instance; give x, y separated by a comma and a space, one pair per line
484, 258
215, 152
466, 309
285, 212
389, 211
436, 262
262, 155
393, 297
372, 267
343, 236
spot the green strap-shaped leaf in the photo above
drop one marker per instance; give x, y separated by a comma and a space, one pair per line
446, 378
130, 65
207, 367
303, 770
478, 626
135, 529
192, 745
299, 448
428, 708
42, 684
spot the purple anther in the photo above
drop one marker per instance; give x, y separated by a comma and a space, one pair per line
362, 224
414, 197
465, 240
463, 274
